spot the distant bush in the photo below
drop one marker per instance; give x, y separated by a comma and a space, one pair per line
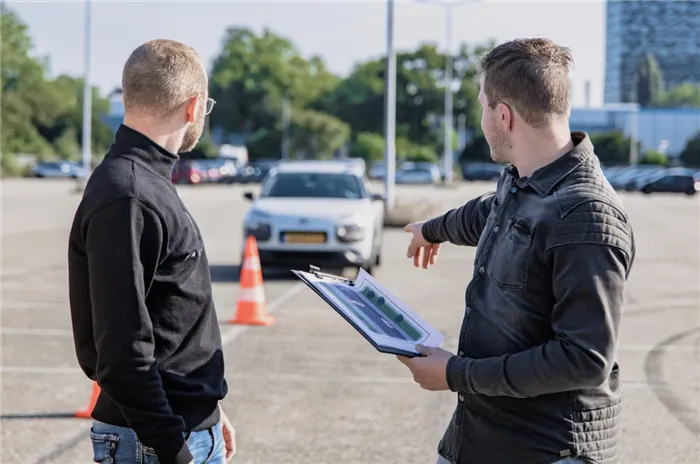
612, 148
654, 157
368, 146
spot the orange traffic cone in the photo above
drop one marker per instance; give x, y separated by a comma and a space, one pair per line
86, 413
251, 308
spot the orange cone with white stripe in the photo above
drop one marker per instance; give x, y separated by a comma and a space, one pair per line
86, 413
251, 308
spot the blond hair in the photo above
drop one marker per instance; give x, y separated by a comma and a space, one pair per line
160, 76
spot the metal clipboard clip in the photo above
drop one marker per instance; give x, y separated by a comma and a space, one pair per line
316, 271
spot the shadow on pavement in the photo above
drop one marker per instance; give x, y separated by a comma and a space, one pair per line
56, 415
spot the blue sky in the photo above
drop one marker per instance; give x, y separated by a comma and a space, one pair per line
343, 33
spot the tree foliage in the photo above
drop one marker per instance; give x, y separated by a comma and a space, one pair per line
256, 75
612, 148
649, 83
420, 83
690, 156
654, 157
476, 151
681, 96
368, 146
41, 116
250, 79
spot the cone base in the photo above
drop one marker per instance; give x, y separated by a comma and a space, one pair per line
83, 414
263, 320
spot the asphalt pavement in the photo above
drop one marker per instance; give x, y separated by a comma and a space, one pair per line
309, 389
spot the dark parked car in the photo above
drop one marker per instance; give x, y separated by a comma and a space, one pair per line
671, 183
482, 171
188, 172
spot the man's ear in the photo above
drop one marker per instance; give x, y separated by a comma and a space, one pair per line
191, 110
505, 116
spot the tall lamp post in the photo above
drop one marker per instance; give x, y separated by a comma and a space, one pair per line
448, 152
87, 95
390, 109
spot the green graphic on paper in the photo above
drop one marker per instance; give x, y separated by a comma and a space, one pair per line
416, 333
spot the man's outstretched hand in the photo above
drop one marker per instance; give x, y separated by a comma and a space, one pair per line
422, 251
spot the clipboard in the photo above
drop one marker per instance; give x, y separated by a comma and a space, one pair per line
379, 316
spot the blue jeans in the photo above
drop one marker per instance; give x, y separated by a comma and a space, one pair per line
119, 445
442, 460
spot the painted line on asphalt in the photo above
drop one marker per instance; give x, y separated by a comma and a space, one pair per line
669, 348
36, 332
226, 337
234, 331
43, 305
39, 370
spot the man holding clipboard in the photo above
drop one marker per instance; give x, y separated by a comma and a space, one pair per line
536, 375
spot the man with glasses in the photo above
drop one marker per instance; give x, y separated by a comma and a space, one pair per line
144, 323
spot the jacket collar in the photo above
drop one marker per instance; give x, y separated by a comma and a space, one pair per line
135, 146
547, 177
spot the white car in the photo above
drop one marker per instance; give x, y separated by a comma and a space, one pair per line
317, 213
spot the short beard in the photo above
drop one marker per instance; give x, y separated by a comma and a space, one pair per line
500, 148
192, 134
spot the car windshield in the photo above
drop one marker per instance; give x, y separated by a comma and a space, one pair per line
313, 185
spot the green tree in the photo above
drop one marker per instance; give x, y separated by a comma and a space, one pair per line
368, 146
681, 96
359, 100
21, 76
264, 143
66, 145
409, 151
68, 97
317, 135
476, 151
612, 148
251, 77
690, 156
654, 157
40, 116
649, 83
205, 148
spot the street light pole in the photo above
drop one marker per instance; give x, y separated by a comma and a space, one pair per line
390, 108
87, 95
448, 148
448, 119
285, 126
634, 135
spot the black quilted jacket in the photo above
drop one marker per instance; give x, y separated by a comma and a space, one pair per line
536, 375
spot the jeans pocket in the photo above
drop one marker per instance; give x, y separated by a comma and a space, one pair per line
149, 455
104, 447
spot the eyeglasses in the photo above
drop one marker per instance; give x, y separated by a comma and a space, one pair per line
210, 105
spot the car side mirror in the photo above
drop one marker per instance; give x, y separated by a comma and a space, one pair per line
249, 196
378, 197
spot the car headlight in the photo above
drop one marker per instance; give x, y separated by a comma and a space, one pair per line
258, 225
351, 229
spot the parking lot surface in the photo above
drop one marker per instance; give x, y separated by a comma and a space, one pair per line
309, 389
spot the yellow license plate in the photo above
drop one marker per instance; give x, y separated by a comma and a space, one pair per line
300, 237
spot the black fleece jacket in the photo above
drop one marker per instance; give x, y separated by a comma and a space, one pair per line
144, 322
